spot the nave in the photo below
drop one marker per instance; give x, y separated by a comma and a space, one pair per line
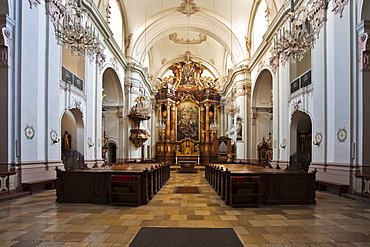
37, 220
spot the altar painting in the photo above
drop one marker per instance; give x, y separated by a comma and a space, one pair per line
187, 121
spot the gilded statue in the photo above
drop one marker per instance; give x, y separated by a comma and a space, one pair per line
66, 141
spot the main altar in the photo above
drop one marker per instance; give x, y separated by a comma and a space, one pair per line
187, 111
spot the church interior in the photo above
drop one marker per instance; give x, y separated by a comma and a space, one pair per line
123, 115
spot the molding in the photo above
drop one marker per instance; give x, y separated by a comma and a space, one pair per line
36, 162
173, 37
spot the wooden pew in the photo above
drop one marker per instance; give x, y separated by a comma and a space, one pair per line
49, 184
322, 185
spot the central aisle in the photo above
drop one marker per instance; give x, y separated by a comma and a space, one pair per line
37, 220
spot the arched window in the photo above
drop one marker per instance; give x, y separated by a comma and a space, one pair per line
260, 24
115, 22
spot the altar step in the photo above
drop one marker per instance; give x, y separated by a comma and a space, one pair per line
177, 168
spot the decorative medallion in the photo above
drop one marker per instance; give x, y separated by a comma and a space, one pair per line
54, 136
342, 134
29, 132
90, 143
188, 7
318, 139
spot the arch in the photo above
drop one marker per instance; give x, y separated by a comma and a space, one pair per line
72, 123
164, 70
112, 102
262, 89
301, 133
112, 152
271, 6
261, 110
148, 34
364, 101
112, 88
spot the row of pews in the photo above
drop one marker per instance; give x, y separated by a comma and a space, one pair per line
127, 184
247, 185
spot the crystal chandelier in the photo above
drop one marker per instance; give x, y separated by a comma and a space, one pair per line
291, 45
76, 35
304, 28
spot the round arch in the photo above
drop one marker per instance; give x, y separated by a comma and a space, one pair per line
261, 103
165, 67
262, 88
301, 133
149, 34
72, 124
112, 88
112, 152
113, 112
272, 7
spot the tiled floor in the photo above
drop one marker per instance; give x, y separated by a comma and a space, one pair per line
37, 220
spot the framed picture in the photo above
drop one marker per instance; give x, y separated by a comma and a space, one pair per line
187, 121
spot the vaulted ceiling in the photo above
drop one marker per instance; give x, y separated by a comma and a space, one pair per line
214, 31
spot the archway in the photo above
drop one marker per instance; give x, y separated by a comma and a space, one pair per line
301, 139
72, 125
363, 142
261, 111
112, 122
112, 153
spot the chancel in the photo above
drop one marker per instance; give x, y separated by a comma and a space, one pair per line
244, 114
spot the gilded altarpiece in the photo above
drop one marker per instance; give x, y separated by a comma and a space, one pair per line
187, 113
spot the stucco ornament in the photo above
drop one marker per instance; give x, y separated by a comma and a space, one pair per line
34, 3
338, 7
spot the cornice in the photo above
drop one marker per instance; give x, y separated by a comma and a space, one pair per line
140, 70
233, 73
102, 26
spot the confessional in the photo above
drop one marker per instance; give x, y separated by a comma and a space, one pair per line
222, 148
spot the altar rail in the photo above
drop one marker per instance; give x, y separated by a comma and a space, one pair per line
93, 185
276, 186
